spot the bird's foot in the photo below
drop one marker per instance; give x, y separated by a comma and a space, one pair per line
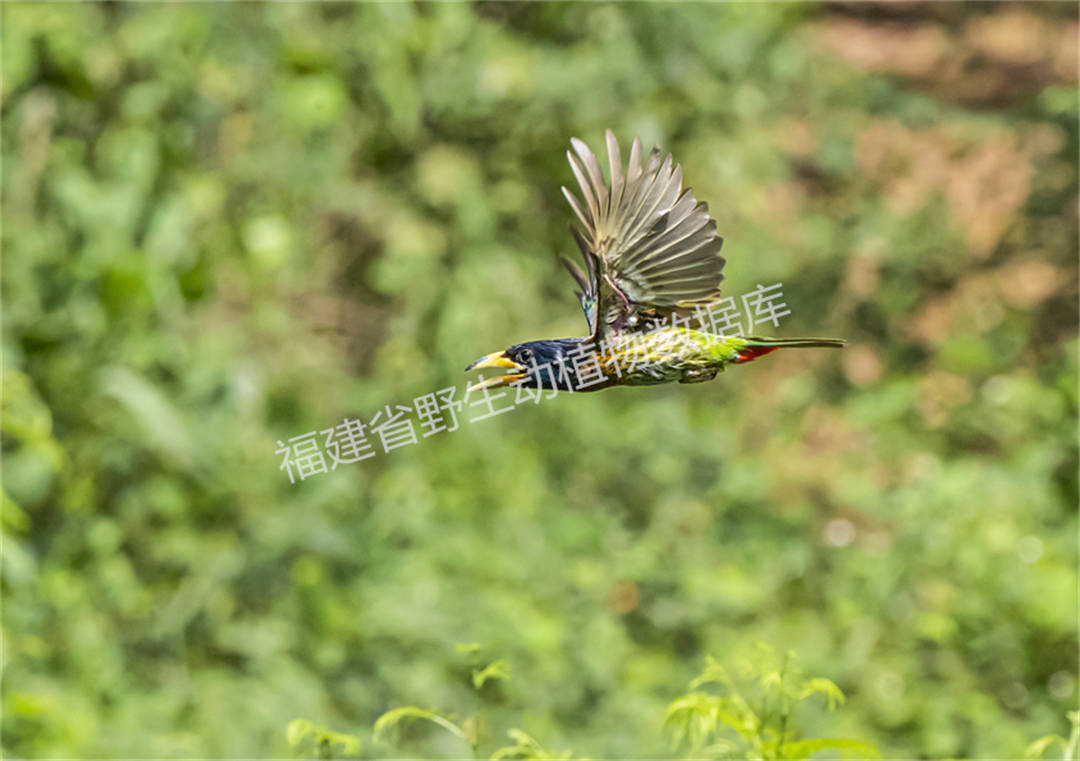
699, 376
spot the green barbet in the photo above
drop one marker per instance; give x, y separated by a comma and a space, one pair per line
652, 268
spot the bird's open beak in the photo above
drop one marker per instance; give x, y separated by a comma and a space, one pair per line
499, 360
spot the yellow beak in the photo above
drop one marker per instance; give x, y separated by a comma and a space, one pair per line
497, 360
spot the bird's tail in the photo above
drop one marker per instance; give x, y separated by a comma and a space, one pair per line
758, 347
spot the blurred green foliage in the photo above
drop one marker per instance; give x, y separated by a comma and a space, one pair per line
1069, 746
228, 224
324, 743
756, 706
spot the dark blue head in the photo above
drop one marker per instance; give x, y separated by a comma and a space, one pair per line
533, 364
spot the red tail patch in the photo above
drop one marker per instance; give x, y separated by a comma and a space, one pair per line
750, 353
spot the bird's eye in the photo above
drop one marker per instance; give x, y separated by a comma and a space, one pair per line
526, 355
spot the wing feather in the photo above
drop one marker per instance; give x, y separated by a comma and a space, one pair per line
666, 249
645, 208
586, 188
651, 246
633, 167
596, 177
572, 200
615, 172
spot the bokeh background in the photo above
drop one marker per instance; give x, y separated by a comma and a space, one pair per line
229, 224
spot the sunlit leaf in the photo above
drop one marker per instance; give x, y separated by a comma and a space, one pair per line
833, 694
391, 719
851, 748
496, 670
297, 730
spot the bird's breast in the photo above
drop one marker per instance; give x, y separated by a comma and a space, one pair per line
660, 356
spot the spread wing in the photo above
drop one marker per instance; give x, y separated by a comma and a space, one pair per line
650, 246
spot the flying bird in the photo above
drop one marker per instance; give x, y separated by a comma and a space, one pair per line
652, 265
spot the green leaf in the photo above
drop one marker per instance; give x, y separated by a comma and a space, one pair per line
391, 719
827, 687
524, 747
772, 679
714, 672
497, 670
806, 748
1073, 745
1037, 748
322, 738
470, 648
164, 427
297, 730
692, 718
720, 749
350, 744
